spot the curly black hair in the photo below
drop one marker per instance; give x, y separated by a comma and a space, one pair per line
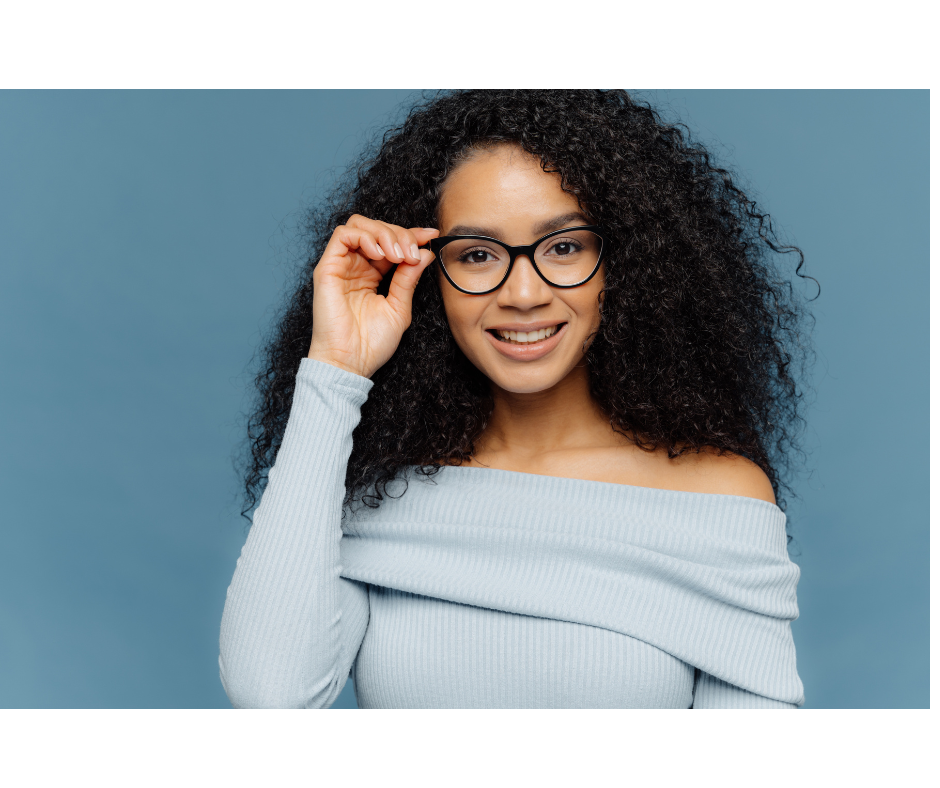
702, 341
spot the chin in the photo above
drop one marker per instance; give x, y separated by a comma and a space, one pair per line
514, 387
524, 381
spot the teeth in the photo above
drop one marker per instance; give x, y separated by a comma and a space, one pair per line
522, 337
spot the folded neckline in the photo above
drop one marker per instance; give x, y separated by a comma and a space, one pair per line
523, 475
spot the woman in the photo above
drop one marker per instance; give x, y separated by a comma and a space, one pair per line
545, 472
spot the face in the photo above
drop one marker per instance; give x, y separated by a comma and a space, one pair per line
503, 193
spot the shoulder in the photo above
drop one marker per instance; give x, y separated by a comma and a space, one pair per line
726, 474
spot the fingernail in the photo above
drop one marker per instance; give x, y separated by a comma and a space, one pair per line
414, 252
398, 251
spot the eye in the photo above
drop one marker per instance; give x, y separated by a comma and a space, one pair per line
477, 256
565, 247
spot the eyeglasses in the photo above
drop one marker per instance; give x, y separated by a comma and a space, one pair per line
476, 264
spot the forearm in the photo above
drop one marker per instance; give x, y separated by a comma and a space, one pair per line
291, 624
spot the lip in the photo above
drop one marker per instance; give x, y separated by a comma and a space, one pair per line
528, 352
525, 326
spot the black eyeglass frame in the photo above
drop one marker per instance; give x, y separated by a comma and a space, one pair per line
437, 244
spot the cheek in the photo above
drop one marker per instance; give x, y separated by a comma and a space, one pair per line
589, 308
463, 316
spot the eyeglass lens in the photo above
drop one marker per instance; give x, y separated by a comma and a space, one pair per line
564, 259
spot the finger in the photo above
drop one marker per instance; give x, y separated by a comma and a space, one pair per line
389, 241
409, 243
404, 281
409, 240
406, 242
371, 247
385, 234
425, 234
346, 239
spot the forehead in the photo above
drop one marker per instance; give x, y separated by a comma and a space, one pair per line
504, 188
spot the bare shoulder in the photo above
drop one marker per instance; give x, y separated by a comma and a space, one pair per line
725, 474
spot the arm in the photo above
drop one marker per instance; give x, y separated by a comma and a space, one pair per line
292, 626
711, 693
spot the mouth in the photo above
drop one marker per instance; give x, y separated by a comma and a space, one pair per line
523, 338
518, 348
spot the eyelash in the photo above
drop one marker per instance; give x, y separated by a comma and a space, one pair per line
464, 256
569, 241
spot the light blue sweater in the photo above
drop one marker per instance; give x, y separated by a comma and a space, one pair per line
490, 588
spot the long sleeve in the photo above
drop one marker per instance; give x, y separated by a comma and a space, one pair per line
292, 626
712, 693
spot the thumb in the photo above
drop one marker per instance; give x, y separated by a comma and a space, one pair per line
404, 281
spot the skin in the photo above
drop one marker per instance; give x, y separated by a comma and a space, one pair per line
544, 420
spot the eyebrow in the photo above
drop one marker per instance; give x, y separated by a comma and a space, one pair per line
557, 223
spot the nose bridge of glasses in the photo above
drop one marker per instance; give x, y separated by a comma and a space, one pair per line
526, 252
524, 273
529, 253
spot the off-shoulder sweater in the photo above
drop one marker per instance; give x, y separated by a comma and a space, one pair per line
487, 588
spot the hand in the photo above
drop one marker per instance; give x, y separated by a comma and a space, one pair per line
355, 328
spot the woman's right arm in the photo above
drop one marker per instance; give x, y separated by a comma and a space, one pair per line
292, 626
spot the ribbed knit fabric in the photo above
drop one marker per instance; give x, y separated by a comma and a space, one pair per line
489, 588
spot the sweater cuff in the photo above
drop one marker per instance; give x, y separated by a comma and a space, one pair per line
354, 388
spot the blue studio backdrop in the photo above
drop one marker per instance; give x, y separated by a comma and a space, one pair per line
145, 241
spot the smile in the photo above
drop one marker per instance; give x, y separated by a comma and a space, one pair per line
517, 345
526, 338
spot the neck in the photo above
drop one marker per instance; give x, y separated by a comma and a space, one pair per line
561, 418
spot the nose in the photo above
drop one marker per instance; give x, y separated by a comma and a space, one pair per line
524, 289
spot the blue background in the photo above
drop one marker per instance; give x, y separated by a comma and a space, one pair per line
145, 239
